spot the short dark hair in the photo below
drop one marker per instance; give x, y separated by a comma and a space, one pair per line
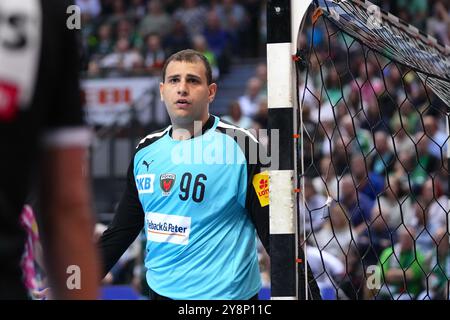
191, 56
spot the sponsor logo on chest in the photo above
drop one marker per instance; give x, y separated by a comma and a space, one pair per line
145, 183
168, 228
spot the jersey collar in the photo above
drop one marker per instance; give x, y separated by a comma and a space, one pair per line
208, 125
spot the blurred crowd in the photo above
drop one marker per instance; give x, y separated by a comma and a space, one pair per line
376, 184
136, 36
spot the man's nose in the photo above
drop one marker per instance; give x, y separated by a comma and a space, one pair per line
182, 88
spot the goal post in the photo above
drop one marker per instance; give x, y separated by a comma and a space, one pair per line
283, 24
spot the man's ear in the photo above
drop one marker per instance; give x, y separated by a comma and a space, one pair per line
161, 87
212, 91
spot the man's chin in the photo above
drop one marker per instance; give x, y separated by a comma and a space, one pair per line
182, 117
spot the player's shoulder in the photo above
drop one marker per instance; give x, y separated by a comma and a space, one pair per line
152, 137
235, 131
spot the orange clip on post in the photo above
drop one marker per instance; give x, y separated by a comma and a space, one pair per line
316, 15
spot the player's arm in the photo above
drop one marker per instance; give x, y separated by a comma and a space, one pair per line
256, 205
125, 227
67, 224
65, 215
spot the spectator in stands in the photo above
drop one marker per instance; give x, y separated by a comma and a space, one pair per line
178, 39
233, 20
374, 120
261, 118
154, 55
424, 240
438, 280
316, 211
327, 270
417, 11
231, 14
119, 12
93, 69
394, 87
326, 184
192, 15
358, 204
407, 117
375, 239
403, 142
368, 83
104, 43
261, 74
250, 100
367, 182
199, 44
337, 233
126, 30
431, 212
402, 268
437, 206
358, 140
395, 205
383, 161
218, 41
136, 10
340, 149
236, 117
156, 20
123, 58
353, 284
333, 87
438, 142
87, 38
425, 163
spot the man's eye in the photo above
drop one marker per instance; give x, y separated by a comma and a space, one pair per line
193, 80
173, 80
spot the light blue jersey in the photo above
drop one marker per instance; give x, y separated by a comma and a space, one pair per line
195, 195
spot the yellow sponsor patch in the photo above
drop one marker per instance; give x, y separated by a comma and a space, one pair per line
261, 185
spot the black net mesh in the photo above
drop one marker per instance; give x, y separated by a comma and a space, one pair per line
374, 207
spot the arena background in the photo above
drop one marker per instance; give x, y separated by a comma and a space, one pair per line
125, 44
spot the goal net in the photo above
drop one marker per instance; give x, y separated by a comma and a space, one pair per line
374, 97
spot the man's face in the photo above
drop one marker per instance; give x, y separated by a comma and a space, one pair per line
186, 92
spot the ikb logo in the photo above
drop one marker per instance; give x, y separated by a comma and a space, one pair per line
145, 183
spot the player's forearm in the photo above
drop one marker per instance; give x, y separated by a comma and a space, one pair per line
71, 261
67, 221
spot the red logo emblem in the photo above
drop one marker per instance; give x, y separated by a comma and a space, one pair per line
8, 101
167, 181
263, 184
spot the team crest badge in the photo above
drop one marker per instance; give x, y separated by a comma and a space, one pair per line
167, 181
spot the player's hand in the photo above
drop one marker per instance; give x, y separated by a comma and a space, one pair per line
45, 294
